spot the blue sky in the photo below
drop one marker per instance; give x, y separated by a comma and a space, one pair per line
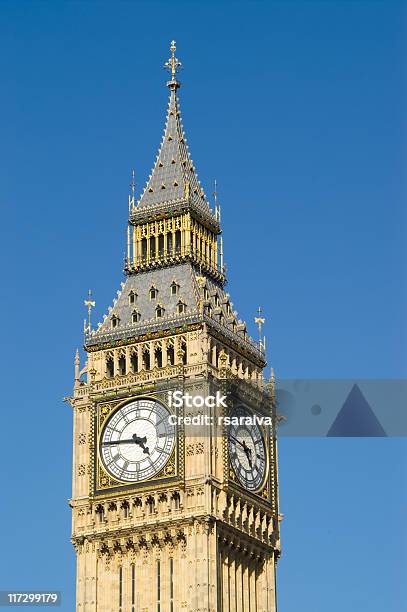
298, 109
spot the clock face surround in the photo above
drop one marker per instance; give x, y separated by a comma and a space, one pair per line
247, 449
137, 440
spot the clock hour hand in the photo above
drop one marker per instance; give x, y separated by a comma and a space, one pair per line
242, 444
142, 443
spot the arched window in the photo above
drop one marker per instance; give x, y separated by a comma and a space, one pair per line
134, 362
159, 311
122, 365
132, 297
176, 500
169, 243
178, 241
181, 307
100, 512
146, 359
109, 367
174, 288
150, 504
126, 509
144, 248
153, 293
158, 357
170, 355
114, 321
161, 245
136, 316
152, 247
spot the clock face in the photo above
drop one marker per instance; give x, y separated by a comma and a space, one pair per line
247, 450
137, 441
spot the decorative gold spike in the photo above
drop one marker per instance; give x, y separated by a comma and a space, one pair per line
173, 65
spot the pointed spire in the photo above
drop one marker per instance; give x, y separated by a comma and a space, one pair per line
87, 327
132, 202
173, 178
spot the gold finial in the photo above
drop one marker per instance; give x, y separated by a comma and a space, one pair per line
90, 304
260, 322
173, 65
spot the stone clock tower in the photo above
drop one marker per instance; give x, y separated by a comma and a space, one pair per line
173, 506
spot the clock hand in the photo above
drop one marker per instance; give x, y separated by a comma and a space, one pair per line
114, 442
248, 452
238, 441
141, 442
134, 440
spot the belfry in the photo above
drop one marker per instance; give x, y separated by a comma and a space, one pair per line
168, 516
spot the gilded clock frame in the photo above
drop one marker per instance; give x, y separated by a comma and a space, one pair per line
103, 483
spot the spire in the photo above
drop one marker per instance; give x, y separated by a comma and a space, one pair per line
132, 200
89, 303
260, 322
173, 178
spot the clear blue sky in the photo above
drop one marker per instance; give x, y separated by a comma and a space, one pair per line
299, 110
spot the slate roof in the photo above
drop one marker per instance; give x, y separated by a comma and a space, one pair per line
173, 181
174, 175
185, 276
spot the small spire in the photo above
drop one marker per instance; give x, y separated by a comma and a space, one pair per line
90, 304
77, 368
260, 322
173, 65
215, 198
132, 200
271, 383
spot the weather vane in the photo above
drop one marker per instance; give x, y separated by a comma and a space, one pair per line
90, 304
173, 65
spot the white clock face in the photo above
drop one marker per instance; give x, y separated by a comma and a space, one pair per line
247, 450
137, 441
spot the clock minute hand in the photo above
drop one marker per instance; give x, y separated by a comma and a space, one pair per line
134, 440
114, 442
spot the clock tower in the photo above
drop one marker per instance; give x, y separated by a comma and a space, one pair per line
174, 501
